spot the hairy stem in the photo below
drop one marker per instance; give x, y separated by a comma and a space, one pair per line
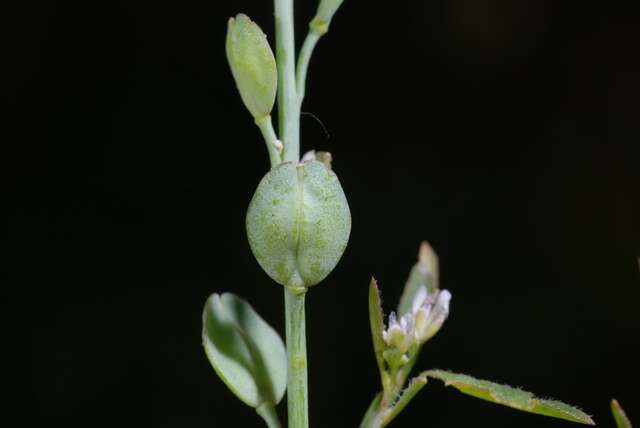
288, 105
297, 358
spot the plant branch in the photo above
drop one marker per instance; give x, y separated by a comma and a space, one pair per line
303, 61
274, 146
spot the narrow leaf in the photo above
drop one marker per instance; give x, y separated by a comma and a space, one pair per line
622, 421
511, 397
244, 350
377, 324
423, 274
406, 396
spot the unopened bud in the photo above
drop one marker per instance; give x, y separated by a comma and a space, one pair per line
429, 318
252, 65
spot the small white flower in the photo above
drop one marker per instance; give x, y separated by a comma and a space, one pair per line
428, 313
399, 334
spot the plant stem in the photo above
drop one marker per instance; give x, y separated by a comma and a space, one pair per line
274, 146
268, 413
288, 105
297, 358
372, 418
303, 61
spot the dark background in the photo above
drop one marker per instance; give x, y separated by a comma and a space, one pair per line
506, 133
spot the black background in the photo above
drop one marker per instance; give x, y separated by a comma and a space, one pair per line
505, 133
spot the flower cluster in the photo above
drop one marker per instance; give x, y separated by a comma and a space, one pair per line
428, 313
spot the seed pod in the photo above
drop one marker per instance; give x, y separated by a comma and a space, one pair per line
298, 223
252, 65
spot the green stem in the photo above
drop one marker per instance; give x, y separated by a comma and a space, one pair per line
296, 358
274, 146
303, 61
268, 413
405, 397
372, 418
288, 105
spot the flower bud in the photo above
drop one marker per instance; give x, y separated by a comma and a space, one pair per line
252, 65
298, 223
431, 316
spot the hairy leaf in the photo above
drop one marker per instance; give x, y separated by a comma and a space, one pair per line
511, 397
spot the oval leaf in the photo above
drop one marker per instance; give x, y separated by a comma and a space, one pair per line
511, 397
298, 223
244, 350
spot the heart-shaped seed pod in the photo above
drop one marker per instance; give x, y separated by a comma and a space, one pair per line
298, 223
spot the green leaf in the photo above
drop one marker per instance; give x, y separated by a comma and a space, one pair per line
511, 397
244, 350
423, 274
622, 421
377, 324
298, 223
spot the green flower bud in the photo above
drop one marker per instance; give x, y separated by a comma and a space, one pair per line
298, 223
326, 10
252, 65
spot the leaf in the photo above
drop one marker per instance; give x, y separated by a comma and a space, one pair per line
377, 323
423, 274
622, 421
511, 397
244, 350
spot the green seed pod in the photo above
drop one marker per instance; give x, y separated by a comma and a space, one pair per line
298, 223
252, 65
